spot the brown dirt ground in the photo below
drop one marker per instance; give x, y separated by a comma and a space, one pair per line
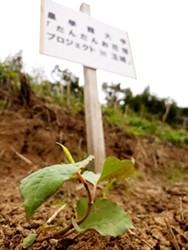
156, 198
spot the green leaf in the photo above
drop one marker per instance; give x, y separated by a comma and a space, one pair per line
67, 153
40, 185
115, 168
29, 240
91, 177
106, 217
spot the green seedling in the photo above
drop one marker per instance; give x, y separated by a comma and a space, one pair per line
97, 213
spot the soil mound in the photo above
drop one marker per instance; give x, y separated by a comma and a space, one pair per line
157, 198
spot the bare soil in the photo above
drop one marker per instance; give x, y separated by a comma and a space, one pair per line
156, 198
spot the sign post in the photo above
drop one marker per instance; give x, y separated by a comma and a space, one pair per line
76, 37
93, 114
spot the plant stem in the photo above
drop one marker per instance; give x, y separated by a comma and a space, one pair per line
91, 198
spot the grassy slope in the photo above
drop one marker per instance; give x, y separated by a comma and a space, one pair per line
141, 127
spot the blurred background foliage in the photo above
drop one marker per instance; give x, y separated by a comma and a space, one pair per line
140, 114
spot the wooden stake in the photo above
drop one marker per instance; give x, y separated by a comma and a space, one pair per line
93, 114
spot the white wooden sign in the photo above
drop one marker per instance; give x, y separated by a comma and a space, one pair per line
75, 36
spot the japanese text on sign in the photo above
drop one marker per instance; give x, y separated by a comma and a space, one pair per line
77, 37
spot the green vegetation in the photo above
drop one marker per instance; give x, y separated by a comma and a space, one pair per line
139, 126
100, 214
145, 105
142, 114
113, 117
173, 174
65, 91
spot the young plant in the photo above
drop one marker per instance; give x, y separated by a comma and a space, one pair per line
100, 214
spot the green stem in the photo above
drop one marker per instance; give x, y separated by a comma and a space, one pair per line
107, 187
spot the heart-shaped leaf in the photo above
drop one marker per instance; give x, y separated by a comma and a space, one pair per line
106, 217
40, 185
